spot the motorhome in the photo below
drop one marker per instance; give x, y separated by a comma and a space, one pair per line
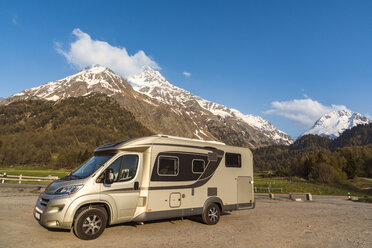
149, 178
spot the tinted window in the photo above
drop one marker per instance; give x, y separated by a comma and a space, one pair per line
116, 167
129, 168
184, 164
198, 166
168, 166
233, 160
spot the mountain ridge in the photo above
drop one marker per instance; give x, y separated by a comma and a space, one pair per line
162, 107
153, 84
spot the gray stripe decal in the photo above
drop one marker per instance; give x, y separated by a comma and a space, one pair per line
203, 179
126, 190
166, 214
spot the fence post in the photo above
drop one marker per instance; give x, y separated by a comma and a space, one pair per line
255, 189
20, 179
281, 190
2, 181
268, 189
309, 197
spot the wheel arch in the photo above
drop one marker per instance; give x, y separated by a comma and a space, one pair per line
94, 205
215, 200
78, 205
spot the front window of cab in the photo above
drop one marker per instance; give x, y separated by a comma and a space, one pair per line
90, 166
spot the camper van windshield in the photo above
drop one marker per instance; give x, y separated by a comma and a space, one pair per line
90, 166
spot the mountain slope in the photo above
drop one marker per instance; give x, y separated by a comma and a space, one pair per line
360, 135
333, 124
102, 80
162, 107
153, 84
64, 133
351, 152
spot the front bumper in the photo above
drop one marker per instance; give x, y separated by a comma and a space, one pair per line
50, 210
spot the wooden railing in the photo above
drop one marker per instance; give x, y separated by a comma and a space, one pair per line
4, 177
268, 189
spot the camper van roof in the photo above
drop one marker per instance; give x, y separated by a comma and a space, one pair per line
151, 139
188, 139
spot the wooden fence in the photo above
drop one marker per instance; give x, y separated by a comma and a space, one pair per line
268, 189
4, 177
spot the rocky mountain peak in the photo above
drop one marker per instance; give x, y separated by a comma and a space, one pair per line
332, 124
95, 79
149, 77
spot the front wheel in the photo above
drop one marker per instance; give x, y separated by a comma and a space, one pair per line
90, 223
211, 214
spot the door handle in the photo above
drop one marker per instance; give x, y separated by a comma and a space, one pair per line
136, 186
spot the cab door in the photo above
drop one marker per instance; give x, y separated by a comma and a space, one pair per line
124, 191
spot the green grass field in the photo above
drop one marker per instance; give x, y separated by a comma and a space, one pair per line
36, 172
357, 187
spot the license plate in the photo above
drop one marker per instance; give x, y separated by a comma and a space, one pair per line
37, 215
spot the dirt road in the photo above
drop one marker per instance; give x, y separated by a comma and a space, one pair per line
273, 223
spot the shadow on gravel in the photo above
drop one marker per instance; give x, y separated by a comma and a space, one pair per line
56, 229
196, 218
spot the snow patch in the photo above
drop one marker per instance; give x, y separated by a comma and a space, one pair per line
333, 124
154, 85
52, 98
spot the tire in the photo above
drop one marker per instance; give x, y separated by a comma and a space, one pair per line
211, 214
90, 223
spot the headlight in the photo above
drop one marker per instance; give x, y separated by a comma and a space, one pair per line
68, 189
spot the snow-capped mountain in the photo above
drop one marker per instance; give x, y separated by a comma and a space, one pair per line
331, 125
163, 107
95, 79
153, 84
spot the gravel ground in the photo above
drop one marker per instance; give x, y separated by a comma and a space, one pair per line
330, 222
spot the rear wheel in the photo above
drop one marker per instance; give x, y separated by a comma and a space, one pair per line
90, 223
211, 214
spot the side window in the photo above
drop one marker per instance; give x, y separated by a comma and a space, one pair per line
116, 167
198, 166
129, 169
168, 166
233, 160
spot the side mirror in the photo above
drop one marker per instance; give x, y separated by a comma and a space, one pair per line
109, 176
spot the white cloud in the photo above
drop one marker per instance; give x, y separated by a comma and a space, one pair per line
186, 74
85, 52
303, 111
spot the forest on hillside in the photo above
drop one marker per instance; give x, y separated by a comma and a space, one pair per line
62, 134
321, 159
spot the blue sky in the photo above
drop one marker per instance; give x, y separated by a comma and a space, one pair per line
283, 60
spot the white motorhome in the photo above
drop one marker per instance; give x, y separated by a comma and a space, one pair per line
149, 178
